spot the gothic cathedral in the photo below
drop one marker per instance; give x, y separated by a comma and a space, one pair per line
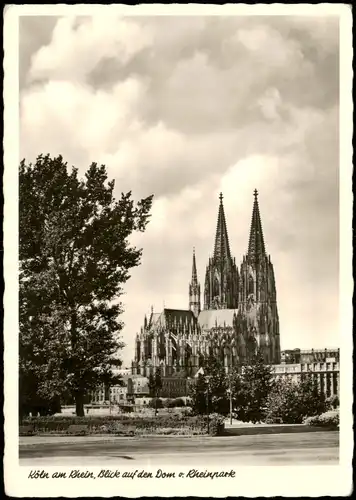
239, 316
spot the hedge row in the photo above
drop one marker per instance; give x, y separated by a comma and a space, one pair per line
126, 425
328, 419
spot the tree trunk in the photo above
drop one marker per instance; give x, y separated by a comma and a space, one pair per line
79, 404
78, 395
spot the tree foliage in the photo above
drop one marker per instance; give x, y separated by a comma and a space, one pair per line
215, 380
151, 385
156, 403
198, 394
75, 257
290, 402
312, 400
155, 383
333, 402
251, 386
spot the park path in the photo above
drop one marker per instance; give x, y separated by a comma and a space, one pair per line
318, 448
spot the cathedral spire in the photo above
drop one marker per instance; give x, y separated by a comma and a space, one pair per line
222, 247
194, 289
194, 269
256, 245
221, 278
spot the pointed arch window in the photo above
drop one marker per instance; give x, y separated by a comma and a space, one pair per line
251, 285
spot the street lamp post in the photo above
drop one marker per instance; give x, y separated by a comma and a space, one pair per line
156, 397
230, 399
229, 391
207, 377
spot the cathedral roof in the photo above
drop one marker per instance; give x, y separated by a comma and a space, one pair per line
212, 318
154, 318
222, 247
172, 317
178, 314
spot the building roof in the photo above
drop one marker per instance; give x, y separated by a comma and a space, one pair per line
171, 318
154, 318
212, 318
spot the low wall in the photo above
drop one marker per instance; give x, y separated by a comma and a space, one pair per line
272, 429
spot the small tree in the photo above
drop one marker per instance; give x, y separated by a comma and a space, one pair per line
237, 393
283, 403
312, 400
158, 382
151, 385
214, 394
254, 385
218, 385
198, 394
155, 385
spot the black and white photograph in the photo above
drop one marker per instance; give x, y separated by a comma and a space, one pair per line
177, 250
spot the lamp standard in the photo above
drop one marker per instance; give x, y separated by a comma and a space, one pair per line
229, 391
207, 378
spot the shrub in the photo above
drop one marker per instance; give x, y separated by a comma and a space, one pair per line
216, 424
187, 411
329, 419
290, 402
178, 403
333, 402
274, 420
121, 424
156, 403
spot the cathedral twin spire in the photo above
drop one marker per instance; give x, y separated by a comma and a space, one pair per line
222, 287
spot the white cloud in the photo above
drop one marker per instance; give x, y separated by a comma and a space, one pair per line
75, 49
192, 106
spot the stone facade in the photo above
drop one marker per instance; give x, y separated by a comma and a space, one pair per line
310, 355
239, 316
134, 386
324, 365
325, 372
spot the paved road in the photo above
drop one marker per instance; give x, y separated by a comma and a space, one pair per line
318, 448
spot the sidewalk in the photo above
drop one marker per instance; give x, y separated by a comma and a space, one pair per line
239, 424
35, 440
107, 438
244, 429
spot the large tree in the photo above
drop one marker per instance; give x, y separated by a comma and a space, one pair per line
75, 257
291, 401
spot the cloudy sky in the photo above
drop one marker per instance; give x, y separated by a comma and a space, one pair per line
186, 107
